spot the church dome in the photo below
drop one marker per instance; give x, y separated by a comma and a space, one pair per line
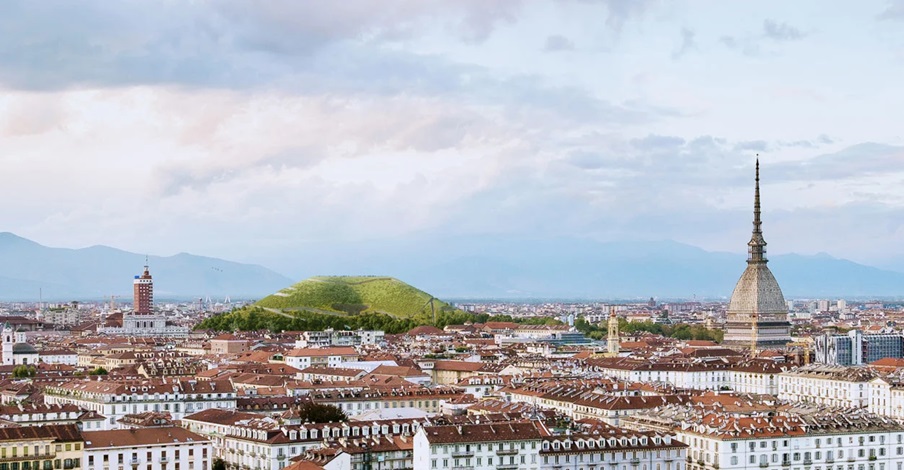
24, 348
757, 292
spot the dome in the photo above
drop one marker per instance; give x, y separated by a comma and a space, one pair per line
24, 348
757, 292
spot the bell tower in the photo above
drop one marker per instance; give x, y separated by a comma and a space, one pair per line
8, 341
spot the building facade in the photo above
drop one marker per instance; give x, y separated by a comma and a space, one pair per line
164, 448
143, 293
856, 348
115, 399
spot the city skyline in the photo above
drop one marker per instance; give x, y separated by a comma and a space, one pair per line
261, 135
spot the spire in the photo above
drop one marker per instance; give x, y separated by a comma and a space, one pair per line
756, 248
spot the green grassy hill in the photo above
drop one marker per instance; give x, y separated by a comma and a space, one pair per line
353, 295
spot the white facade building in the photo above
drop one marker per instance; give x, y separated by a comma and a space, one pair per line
329, 357
835, 386
149, 324
115, 399
528, 445
167, 448
833, 440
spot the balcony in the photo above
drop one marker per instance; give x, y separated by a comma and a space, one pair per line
830, 460
463, 453
164, 459
786, 463
810, 462
280, 456
634, 461
506, 451
20, 458
507, 467
134, 461
764, 465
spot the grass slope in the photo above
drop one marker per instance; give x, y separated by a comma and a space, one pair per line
353, 295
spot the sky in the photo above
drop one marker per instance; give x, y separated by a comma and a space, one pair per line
261, 131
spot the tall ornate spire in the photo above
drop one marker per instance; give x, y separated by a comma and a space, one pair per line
756, 248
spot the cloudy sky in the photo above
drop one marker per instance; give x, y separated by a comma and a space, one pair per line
258, 131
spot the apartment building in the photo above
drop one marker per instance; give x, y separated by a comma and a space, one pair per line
499, 446
328, 357
117, 398
246, 439
835, 386
360, 400
816, 439
52, 446
165, 448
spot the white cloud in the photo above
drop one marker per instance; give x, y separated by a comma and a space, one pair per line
212, 128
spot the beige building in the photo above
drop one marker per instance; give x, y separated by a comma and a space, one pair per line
39, 447
229, 344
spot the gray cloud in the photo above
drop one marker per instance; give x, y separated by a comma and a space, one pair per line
557, 43
781, 31
230, 43
745, 45
688, 43
753, 145
862, 160
894, 10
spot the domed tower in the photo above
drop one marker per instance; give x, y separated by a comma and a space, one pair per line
757, 313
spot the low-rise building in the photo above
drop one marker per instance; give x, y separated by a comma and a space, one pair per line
52, 446
328, 357
834, 386
170, 448
117, 398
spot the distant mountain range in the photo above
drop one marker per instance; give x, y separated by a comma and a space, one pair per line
573, 268
62, 274
452, 267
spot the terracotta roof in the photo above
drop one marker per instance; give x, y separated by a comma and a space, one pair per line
426, 330
460, 366
321, 352
143, 437
56, 432
492, 432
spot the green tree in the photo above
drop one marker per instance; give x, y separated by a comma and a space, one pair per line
23, 372
321, 413
98, 371
218, 464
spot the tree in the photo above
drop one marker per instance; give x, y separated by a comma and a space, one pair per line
23, 372
321, 413
98, 371
218, 464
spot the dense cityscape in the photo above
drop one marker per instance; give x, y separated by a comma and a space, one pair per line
451, 235
759, 382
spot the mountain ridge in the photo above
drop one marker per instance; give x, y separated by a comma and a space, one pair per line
29, 270
580, 268
473, 267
